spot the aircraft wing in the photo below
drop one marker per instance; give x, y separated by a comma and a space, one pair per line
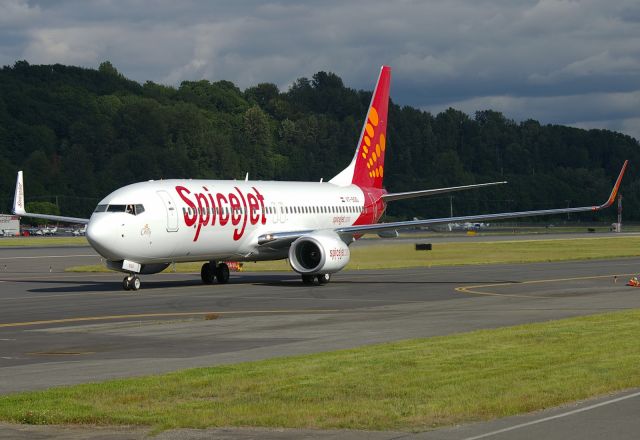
18, 207
283, 238
430, 192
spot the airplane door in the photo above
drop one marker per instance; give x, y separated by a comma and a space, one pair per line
172, 211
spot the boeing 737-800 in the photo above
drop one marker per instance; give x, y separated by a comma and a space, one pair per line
144, 227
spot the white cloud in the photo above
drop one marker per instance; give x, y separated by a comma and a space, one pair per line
15, 13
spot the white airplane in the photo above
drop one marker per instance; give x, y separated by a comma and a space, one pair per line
144, 227
79, 232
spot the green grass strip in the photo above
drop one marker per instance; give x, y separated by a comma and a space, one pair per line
409, 385
42, 241
394, 256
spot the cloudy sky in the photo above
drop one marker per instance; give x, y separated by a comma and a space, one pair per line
559, 61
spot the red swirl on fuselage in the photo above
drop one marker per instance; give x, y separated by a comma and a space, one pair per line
203, 208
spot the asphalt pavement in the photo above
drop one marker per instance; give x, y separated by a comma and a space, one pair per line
59, 328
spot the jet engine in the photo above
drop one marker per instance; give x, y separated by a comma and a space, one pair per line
319, 253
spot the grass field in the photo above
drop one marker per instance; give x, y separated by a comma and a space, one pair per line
446, 254
410, 385
42, 241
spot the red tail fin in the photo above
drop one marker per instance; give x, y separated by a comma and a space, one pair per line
367, 167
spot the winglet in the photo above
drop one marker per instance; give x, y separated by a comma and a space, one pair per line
18, 198
614, 191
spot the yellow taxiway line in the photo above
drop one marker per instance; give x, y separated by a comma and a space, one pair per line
160, 315
472, 289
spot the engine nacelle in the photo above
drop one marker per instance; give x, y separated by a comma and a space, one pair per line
319, 252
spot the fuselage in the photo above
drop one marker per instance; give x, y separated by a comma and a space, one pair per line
203, 220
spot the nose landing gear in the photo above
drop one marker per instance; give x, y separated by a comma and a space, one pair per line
131, 282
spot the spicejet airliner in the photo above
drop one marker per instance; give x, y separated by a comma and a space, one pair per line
144, 227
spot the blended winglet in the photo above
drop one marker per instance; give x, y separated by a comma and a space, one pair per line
19, 207
18, 198
614, 191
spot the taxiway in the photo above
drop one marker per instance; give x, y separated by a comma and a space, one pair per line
60, 328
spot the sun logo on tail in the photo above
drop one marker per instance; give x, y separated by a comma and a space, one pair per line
373, 155
366, 169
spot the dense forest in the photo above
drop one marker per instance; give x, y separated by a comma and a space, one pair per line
79, 133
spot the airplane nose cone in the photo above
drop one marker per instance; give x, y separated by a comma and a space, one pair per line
100, 236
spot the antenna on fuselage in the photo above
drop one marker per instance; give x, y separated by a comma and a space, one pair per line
246, 178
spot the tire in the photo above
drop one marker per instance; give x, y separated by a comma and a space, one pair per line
125, 284
207, 274
135, 283
222, 273
324, 278
307, 279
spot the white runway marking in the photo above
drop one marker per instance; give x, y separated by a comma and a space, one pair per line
557, 416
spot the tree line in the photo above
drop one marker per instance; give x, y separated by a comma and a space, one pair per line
80, 133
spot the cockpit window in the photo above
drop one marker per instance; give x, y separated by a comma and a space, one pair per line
100, 208
129, 209
116, 208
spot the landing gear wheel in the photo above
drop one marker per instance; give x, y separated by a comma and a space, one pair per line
135, 283
207, 274
307, 279
324, 278
222, 273
131, 282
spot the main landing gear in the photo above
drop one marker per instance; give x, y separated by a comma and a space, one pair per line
131, 282
323, 278
211, 271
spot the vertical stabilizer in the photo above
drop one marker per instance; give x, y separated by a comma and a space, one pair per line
367, 167
18, 198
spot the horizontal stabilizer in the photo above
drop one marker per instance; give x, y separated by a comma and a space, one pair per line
430, 192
